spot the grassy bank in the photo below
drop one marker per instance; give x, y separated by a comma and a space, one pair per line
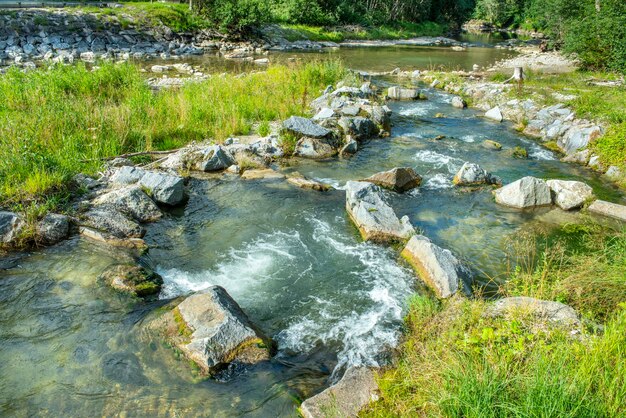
401, 30
604, 104
458, 361
59, 122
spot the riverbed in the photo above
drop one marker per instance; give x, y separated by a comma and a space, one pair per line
71, 346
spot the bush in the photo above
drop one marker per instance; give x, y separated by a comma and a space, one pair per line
234, 16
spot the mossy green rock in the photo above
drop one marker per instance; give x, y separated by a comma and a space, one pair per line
133, 279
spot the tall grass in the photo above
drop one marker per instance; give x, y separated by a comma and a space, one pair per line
58, 122
459, 361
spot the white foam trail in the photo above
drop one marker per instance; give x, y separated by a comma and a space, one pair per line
420, 109
469, 138
439, 160
538, 153
438, 181
336, 184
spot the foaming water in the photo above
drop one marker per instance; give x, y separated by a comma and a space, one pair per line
438, 160
439, 181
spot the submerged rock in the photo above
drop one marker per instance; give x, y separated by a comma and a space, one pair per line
374, 218
305, 127
133, 279
612, 210
399, 179
53, 228
132, 201
299, 180
314, 148
10, 226
212, 330
398, 93
554, 312
494, 114
492, 145
356, 389
526, 192
260, 174
436, 266
472, 174
569, 194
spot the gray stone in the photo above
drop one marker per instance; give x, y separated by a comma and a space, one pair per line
128, 175
132, 201
555, 312
164, 188
324, 113
314, 148
10, 227
220, 332
614, 173
348, 91
437, 267
458, 102
112, 222
494, 114
380, 115
472, 174
215, 158
374, 218
569, 194
398, 93
350, 110
492, 145
356, 389
85, 181
399, 179
304, 127
524, 193
358, 128
299, 180
579, 157
53, 228
350, 148
132, 279
612, 210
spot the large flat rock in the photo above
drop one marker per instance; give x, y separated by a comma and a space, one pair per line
612, 210
374, 218
305, 127
217, 331
437, 267
551, 311
356, 389
131, 200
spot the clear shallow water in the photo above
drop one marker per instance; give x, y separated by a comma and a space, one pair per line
70, 346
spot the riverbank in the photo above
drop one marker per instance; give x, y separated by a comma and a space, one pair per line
465, 357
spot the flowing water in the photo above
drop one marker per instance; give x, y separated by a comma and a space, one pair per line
71, 346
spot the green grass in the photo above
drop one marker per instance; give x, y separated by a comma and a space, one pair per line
59, 122
176, 16
401, 30
456, 361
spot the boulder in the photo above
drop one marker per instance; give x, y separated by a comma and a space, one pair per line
356, 389
132, 201
458, 102
212, 331
555, 312
112, 222
300, 127
163, 188
437, 267
299, 180
314, 148
350, 148
10, 226
128, 175
398, 93
133, 279
569, 194
374, 218
494, 114
380, 115
612, 210
614, 173
472, 174
399, 179
358, 128
214, 158
53, 228
526, 192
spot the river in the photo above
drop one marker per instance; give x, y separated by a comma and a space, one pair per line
71, 346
